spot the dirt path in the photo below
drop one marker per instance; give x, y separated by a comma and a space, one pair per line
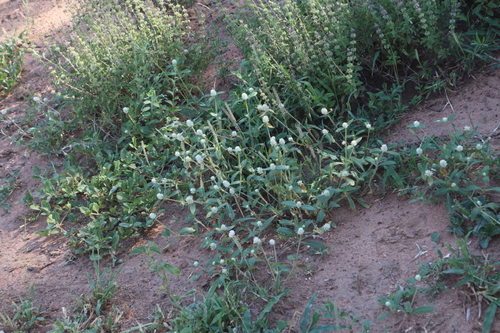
371, 250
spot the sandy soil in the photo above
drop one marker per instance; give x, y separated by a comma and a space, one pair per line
371, 250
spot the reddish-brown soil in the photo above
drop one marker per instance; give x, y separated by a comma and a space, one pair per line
370, 252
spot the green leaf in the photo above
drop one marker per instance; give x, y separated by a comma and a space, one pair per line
286, 231
423, 309
308, 207
172, 270
489, 317
304, 321
315, 245
187, 230
383, 316
138, 250
435, 237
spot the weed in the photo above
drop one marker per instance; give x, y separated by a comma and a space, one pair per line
7, 189
342, 320
26, 315
479, 275
11, 62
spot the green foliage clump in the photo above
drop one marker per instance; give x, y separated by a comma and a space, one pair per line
116, 53
11, 63
347, 55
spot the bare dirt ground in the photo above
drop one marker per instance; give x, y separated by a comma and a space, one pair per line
371, 250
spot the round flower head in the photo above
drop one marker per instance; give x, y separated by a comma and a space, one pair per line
244, 96
368, 126
159, 196
460, 148
324, 111
256, 240
265, 120
4, 111
419, 151
190, 200
174, 62
324, 131
152, 216
443, 163
226, 183
345, 125
259, 224
272, 166
300, 231
272, 242
223, 227
237, 149
189, 123
213, 93
125, 110
467, 128
327, 226
416, 123
428, 173
231, 234
298, 204
214, 210
213, 246
383, 148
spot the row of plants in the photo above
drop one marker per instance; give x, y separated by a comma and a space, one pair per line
266, 163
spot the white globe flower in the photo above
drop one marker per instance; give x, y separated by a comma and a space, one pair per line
324, 111
416, 123
265, 120
326, 227
189, 123
459, 148
159, 196
213, 93
383, 148
231, 234
259, 224
152, 216
300, 231
324, 131
419, 151
428, 173
244, 96
226, 183
272, 242
345, 125
443, 163
237, 149
256, 240
213, 246
190, 200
